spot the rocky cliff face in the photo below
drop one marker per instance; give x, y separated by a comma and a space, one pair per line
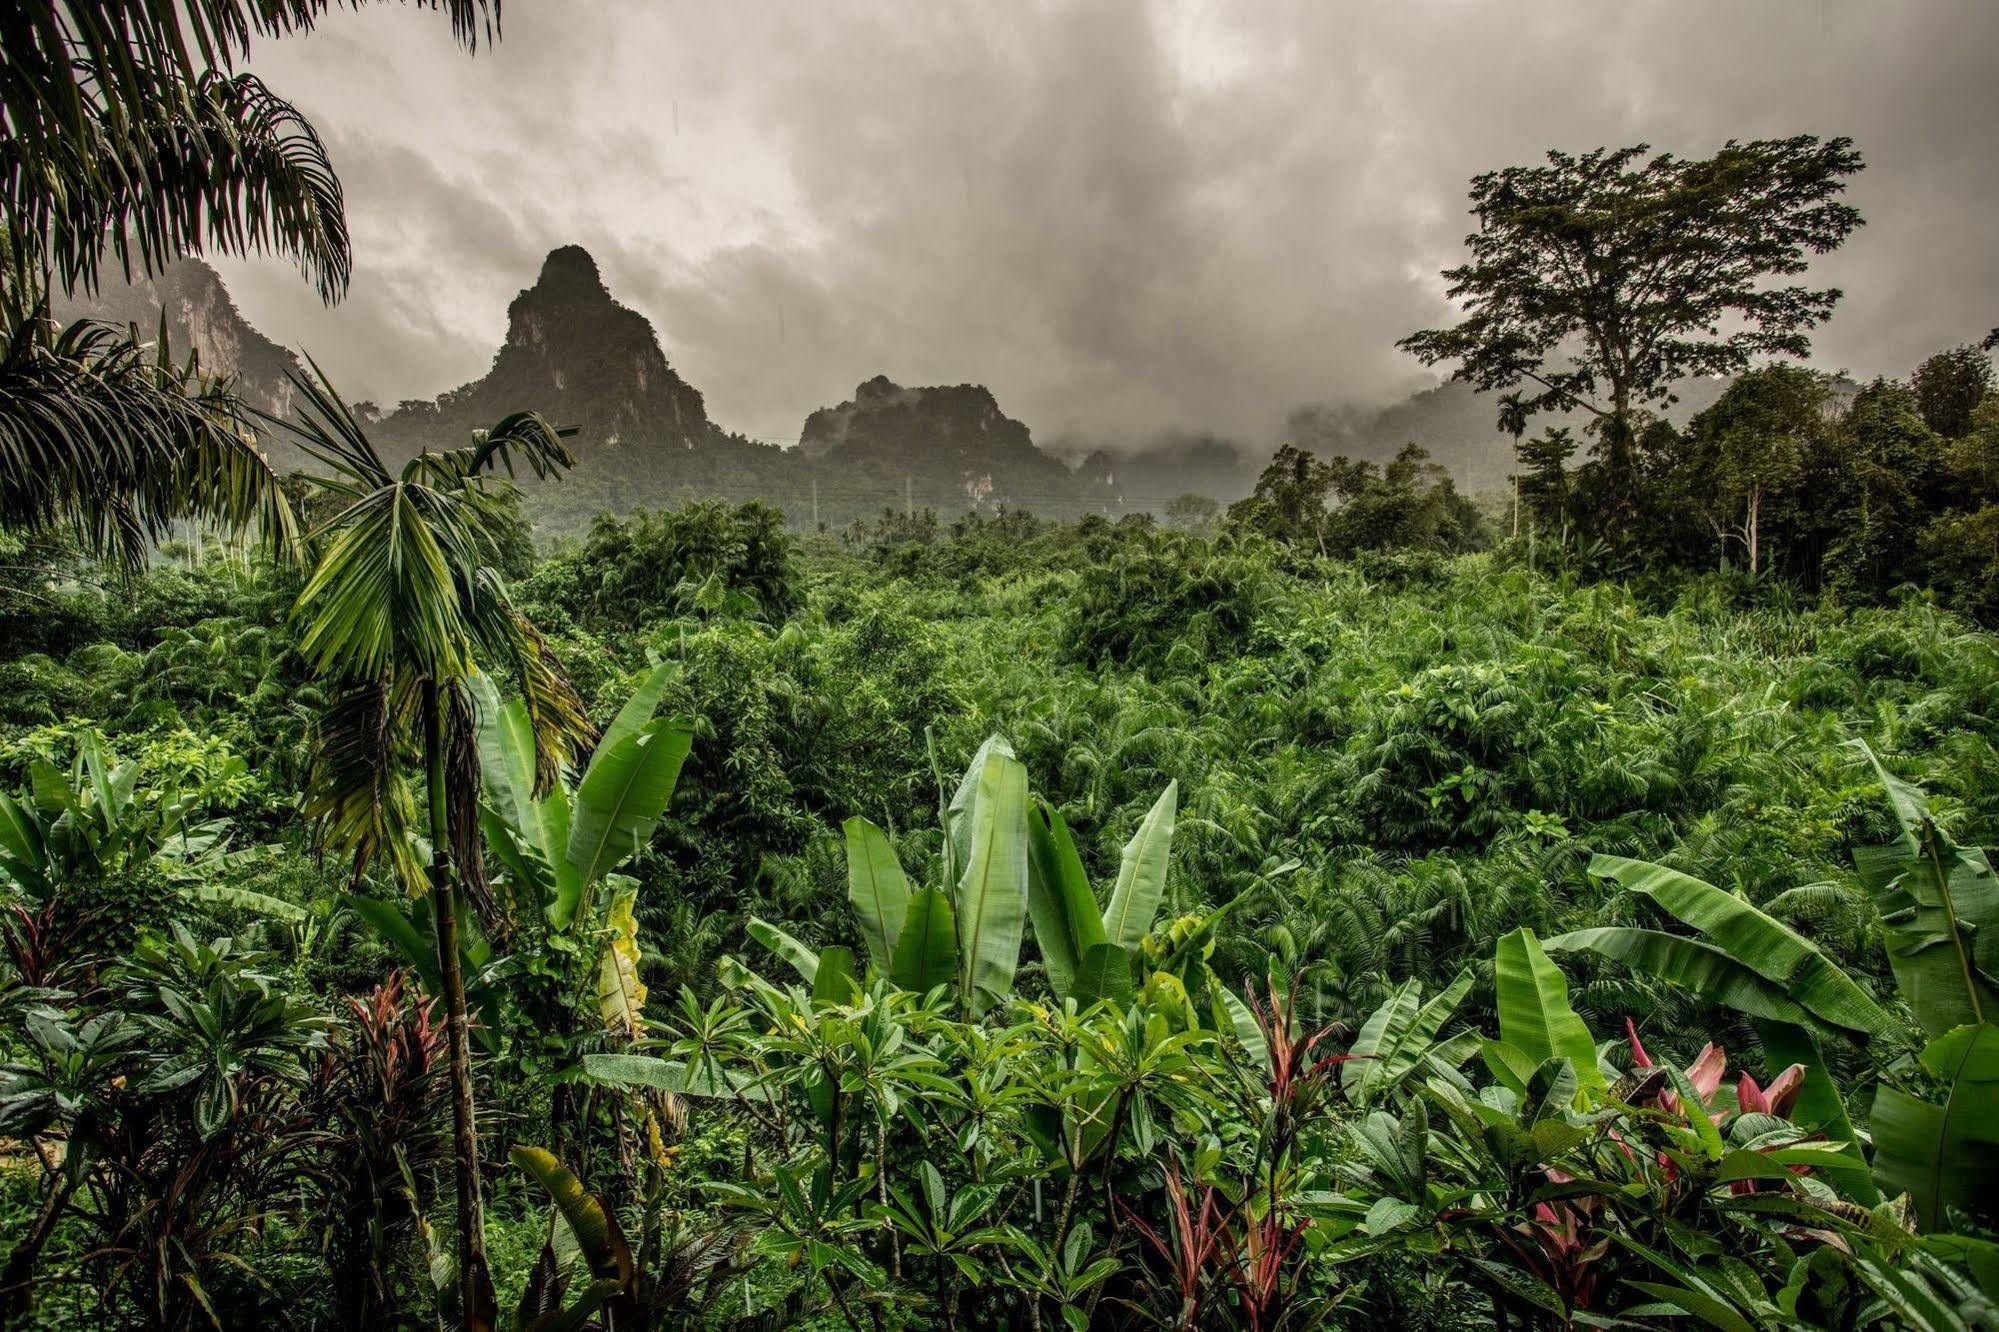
199, 317
951, 446
579, 358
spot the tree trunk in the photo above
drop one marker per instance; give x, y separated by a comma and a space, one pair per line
1755, 503
474, 1281
17, 1280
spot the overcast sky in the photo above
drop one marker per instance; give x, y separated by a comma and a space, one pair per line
1122, 216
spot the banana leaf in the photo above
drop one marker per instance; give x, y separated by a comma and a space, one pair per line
1944, 1156
991, 905
1764, 945
1697, 966
1067, 922
926, 952
1534, 1013
1141, 876
877, 888
622, 796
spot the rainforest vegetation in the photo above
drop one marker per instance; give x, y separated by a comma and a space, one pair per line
1367, 905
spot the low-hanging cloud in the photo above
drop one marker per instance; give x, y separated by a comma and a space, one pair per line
1124, 217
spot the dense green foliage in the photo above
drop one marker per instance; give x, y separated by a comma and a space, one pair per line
1369, 771
1264, 967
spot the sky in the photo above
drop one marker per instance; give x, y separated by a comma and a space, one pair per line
1125, 217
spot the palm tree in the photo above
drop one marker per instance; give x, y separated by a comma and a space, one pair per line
400, 609
127, 135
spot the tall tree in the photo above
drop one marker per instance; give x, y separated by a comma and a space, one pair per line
1600, 280
127, 136
401, 608
1759, 431
1289, 502
1949, 386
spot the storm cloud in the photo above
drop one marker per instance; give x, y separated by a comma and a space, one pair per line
1124, 217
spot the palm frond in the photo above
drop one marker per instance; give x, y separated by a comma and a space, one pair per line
102, 439
385, 592
327, 430
236, 169
468, 850
135, 105
561, 728
523, 435
358, 802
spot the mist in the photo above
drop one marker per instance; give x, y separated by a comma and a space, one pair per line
1125, 218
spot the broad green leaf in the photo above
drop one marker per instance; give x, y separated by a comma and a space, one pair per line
623, 795
1105, 973
1397, 1011
991, 905
621, 995
1944, 1155
671, 1075
1067, 921
1764, 945
877, 888
1939, 908
50, 789
833, 981
1524, 1286
1702, 1304
1707, 971
1509, 1065
506, 753
803, 960
636, 1070
639, 708
1243, 1023
1387, 1214
531, 880
243, 899
926, 951
1405, 1033
1141, 875
23, 856
1534, 1013
1819, 1104
958, 813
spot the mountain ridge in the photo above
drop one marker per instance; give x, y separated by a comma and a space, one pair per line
582, 359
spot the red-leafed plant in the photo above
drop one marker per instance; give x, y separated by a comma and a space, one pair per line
385, 1089
1197, 1249
1239, 1263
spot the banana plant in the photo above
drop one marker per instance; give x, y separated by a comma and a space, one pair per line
1005, 860
1089, 951
94, 821
966, 932
1400, 1039
1744, 959
1939, 908
561, 850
